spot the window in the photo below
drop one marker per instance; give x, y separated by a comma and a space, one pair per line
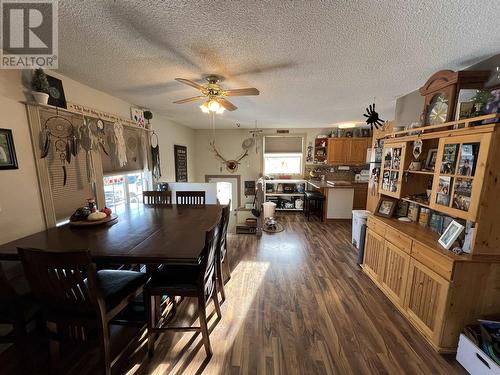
283, 154
283, 163
124, 189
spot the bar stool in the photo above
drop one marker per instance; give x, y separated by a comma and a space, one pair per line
313, 203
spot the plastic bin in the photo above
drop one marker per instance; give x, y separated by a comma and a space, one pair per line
358, 220
269, 208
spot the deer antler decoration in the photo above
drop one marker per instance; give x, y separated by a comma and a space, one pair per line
231, 165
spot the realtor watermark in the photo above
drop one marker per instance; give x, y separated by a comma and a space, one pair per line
29, 34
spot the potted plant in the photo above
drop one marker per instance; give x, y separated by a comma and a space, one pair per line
40, 86
148, 115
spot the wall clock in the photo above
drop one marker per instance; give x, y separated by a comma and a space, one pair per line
441, 93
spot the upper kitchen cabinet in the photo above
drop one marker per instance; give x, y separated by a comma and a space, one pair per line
348, 150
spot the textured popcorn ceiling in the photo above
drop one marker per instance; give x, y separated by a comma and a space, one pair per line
315, 63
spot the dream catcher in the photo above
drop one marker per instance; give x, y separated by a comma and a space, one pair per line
58, 132
101, 135
372, 117
89, 143
155, 156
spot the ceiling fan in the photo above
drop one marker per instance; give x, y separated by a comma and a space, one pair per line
215, 94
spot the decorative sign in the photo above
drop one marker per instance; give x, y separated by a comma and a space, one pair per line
180, 159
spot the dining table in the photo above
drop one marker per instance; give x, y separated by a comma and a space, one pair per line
141, 235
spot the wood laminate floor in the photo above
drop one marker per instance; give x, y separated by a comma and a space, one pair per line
297, 303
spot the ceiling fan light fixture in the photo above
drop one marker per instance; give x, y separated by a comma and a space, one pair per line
204, 108
220, 111
213, 105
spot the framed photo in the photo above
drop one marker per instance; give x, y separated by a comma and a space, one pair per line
450, 234
386, 207
137, 115
8, 159
430, 162
402, 208
56, 92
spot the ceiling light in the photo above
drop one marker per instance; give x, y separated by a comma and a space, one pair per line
220, 111
213, 105
347, 125
204, 108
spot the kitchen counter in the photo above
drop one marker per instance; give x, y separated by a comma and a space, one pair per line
330, 184
339, 197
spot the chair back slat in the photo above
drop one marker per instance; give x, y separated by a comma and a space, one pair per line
190, 197
63, 282
157, 198
208, 257
226, 211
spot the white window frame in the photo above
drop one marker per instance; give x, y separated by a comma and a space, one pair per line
301, 154
282, 155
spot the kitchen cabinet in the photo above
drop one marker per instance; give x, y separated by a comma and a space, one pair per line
338, 149
348, 150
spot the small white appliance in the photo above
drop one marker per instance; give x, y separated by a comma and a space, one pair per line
362, 176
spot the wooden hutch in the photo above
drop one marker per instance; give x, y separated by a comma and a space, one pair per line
438, 291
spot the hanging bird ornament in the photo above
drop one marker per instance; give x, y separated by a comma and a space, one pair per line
372, 118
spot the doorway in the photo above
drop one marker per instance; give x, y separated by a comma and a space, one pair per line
228, 187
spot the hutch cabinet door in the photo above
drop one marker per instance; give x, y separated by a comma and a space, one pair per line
395, 273
426, 299
459, 174
393, 160
373, 260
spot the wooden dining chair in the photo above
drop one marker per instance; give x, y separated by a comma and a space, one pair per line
157, 197
78, 301
185, 281
190, 197
17, 309
222, 261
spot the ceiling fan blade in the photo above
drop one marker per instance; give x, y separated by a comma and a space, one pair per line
227, 104
242, 92
182, 101
190, 83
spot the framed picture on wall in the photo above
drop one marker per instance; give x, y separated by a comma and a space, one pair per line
137, 115
56, 92
8, 159
180, 161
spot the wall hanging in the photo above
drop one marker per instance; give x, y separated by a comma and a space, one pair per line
56, 92
59, 131
155, 157
8, 159
372, 117
121, 149
88, 142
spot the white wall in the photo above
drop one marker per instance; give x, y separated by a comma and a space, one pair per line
20, 204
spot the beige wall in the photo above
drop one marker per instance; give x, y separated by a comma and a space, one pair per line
20, 203
229, 146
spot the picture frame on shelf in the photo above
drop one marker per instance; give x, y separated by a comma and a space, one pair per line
450, 234
402, 208
56, 92
430, 161
137, 115
386, 207
8, 158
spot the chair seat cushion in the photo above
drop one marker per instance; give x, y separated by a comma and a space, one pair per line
116, 285
178, 277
